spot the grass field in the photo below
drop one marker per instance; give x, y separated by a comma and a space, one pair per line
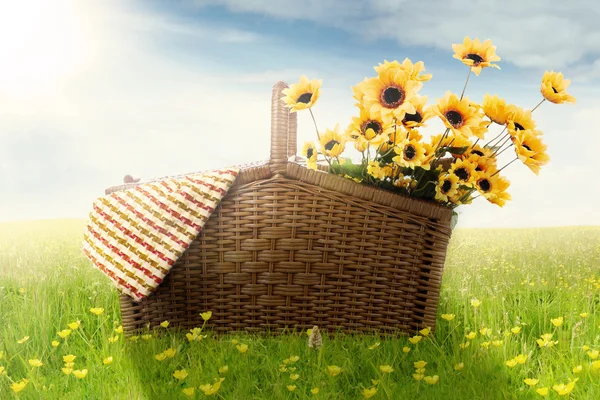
505, 288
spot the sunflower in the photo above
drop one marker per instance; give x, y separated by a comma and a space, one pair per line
484, 164
530, 150
369, 127
303, 95
463, 196
519, 120
450, 140
358, 91
554, 88
459, 116
332, 142
475, 54
418, 118
464, 170
414, 71
493, 187
389, 95
496, 109
374, 169
479, 151
411, 154
310, 152
447, 187
396, 138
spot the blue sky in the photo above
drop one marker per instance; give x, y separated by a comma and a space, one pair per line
155, 88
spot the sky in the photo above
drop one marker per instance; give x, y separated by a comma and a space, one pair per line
93, 90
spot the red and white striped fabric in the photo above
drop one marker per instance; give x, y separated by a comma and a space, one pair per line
135, 236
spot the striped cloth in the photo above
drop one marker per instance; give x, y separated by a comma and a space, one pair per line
135, 236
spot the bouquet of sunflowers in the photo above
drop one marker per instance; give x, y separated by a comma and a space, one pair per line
452, 167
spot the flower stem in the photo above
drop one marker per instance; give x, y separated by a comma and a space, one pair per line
318, 136
465, 87
539, 104
489, 144
502, 145
516, 158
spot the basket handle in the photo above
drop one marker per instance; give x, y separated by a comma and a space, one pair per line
284, 125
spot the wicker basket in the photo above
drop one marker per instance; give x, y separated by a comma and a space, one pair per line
289, 247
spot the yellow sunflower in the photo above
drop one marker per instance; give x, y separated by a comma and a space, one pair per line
554, 88
459, 116
395, 139
447, 187
496, 109
369, 127
332, 142
493, 188
421, 114
411, 154
450, 140
414, 71
464, 170
310, 152
358, 91
303, 95
484, 164
461, 197
475, 54
389, 95
519, 120
530, 150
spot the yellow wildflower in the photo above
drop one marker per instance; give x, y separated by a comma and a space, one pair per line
160, 357
374, 346
19, 386
119, 329
69, 358
21, 341
113, 339
206, 315
425, 331
69, 364
415, 339
596, 365
294, 359
420, 370
584, 315
484, 331
471, 335
375, 381
294, 377
165, 324
593, 354
516, 330
448, 317
67, 371
146, 337
180, 374
531, 381
420, 364
75, 325
334, 370
314, 390
97, 311
586, 347
521, 358
465, 345
557, 321
291, 388
234, 341
577, 369
511, 363
55, 343
542, 391
406, 349
475, 303
35, 363
459, 366
418, 377
368, 393
497, 343
108, 360
224, 369
188, 391
64, 333
485, 345
563, 389
386, 369
432, 380
80, 374
209, 389
242, 348
22, 290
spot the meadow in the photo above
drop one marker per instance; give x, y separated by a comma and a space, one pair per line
518, 319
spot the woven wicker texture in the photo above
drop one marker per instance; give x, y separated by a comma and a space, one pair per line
288, 247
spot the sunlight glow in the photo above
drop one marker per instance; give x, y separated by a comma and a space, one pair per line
41, 42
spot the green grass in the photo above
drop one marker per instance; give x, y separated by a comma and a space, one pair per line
523, 278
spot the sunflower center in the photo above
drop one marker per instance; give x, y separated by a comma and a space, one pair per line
462, 173
519, 127
477, 59
478, 168
454, 118
376, 126
446, 186
527, 147
305, 98
331, 144
409, 152
479, 153
309, 152
555, 91
416, 117
484, 184
392, 97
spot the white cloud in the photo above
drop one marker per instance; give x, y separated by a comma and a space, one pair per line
533, 33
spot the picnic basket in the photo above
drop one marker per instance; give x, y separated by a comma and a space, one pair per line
290, 248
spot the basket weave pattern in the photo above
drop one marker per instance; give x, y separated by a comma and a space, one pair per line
288, 247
